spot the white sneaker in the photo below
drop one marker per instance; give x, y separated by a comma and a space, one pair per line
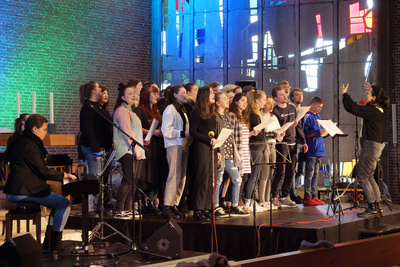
287, 202
130, 213
122, 215
267, 206
260, 208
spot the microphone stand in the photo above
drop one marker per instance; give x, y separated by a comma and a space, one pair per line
133, 248
356, 203
119, 128
211, 134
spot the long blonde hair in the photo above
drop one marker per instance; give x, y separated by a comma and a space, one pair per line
253, 104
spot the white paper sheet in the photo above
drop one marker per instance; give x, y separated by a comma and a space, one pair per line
286, 126
223, 135
302, 112
263, 125
331, 127
153, 127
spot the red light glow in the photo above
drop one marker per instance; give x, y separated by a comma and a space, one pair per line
361, 21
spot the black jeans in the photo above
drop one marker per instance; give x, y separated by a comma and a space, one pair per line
284, 170
131, 168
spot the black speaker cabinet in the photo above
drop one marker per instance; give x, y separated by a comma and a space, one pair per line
166, 241
21, 251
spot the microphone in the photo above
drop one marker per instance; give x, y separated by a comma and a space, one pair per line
211, 134
362, 102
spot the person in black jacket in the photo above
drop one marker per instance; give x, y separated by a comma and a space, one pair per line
372, 138
96, 132
28, 175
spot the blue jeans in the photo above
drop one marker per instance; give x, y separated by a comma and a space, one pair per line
256, 158
94, 167
311, 176
235, 178
54, 201
370, 153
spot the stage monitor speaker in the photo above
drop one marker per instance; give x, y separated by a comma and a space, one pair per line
166, 241
21, 251
247, 82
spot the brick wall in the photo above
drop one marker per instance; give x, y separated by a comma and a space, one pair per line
57, 45
394, 93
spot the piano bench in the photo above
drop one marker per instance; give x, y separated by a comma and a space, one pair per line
23, 211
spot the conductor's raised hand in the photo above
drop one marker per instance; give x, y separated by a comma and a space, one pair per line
343, 89
367, 85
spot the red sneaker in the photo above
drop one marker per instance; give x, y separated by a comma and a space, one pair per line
309, 202
319, 202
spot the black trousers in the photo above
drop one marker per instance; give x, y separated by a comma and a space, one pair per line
130, 166
284, 171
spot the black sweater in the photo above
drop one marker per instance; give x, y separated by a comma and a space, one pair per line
289, 114
257, 142
200, 128
96, 132
374, 119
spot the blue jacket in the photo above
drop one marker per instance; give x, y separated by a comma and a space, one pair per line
315, 142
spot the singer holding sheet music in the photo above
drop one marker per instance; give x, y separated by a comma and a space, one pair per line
373, 115
203, 125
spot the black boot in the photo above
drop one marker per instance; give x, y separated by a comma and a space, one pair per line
175, 210
370, 211
47, 236
379, 207
151, 204
168, 213
56, 244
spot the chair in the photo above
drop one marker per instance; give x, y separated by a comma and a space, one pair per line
23, 211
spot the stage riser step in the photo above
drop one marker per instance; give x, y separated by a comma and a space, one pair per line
379, 226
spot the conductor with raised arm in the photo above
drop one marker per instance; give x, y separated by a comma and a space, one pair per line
373, 115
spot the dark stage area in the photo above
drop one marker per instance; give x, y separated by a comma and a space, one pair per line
236, 236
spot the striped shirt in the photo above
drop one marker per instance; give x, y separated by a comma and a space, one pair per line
245, 149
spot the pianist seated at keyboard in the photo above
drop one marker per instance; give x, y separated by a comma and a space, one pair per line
27, 179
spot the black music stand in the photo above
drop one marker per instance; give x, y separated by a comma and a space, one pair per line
334, 199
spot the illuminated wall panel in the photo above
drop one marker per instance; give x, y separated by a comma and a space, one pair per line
176, 43
208, 41
242, 39
278, 46
204, 77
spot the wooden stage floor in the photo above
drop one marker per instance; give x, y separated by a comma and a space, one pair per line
236, 237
